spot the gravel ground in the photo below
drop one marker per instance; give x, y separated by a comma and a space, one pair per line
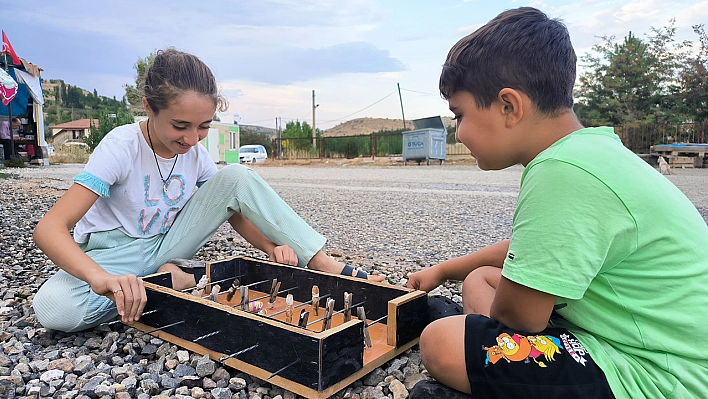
389, 220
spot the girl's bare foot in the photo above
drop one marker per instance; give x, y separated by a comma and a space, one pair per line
180, 279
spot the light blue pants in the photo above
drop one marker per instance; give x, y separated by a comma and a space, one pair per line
66, 303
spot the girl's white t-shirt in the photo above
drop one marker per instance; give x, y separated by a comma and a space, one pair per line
132, 197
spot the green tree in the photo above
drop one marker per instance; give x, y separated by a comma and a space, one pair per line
250, 137
297, 130
133, 93
693, 81
106, 123
632, 81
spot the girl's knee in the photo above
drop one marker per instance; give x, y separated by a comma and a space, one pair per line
234, 172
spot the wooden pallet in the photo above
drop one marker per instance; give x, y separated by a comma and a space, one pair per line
684, 156
308, 361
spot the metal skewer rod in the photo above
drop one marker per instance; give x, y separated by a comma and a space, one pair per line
279, 292
377, 320
221, 359
279, 371
163, 327
298, 306
110, 323
334, 313
247, 285
211, 334
212, 283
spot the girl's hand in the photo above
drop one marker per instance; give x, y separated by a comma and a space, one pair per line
426, 279
127, 291
283, 254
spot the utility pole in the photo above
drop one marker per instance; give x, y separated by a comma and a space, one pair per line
401, 100
314, 132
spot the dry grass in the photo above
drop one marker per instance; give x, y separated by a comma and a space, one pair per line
69, 154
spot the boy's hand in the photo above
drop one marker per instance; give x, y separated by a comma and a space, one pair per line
283, 254
127, 291
426, 279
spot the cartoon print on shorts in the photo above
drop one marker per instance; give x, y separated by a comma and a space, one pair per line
517, 348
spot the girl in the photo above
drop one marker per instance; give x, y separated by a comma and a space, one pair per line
148, 194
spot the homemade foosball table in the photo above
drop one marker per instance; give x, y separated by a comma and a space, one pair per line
309, 332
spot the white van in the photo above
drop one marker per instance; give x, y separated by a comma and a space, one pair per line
252, 153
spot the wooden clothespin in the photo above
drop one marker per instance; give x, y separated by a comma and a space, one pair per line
347, 306
214, 295
289, 309
233, 289
274, 288
244, 298
199, 289
327, 322
316, 299
362, 316
304, 315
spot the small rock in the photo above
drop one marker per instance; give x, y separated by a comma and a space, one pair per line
122, 395
375, 377
220, 374
7, 389
149, 349
61, 364
398, 390
51, 375
220, 393
169, 383
413, 379
171, 364
90, 386
205, 366
238, 384
371, 393
39, 365
396, 364
208, 383
182, 356
182, 370
197, 393
150, 387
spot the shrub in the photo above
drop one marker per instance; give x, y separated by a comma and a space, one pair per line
70, 154
15, 162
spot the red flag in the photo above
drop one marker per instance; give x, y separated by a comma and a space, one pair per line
7, 48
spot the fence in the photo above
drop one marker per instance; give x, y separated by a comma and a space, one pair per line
637, 138
383, 145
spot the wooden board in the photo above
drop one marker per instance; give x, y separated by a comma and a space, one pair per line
308, 361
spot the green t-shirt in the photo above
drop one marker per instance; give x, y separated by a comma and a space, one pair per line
627, 252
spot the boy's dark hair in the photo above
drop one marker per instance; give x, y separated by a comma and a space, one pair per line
521, 49
174, 72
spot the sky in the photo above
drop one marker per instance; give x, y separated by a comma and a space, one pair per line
269, 55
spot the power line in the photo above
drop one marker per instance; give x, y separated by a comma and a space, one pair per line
363, 109
419, 92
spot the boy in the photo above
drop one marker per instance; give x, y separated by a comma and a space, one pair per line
599, 236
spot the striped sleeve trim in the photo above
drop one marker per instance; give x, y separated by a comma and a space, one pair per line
93, 183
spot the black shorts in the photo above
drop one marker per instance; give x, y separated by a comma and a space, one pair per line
506, 363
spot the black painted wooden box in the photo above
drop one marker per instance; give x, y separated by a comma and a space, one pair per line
310, 363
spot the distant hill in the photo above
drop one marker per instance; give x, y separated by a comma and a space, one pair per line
64, 103
259, 129
371, 125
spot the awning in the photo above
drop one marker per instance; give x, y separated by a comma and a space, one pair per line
33, 83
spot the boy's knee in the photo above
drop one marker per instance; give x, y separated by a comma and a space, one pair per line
434, 345
485, 275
